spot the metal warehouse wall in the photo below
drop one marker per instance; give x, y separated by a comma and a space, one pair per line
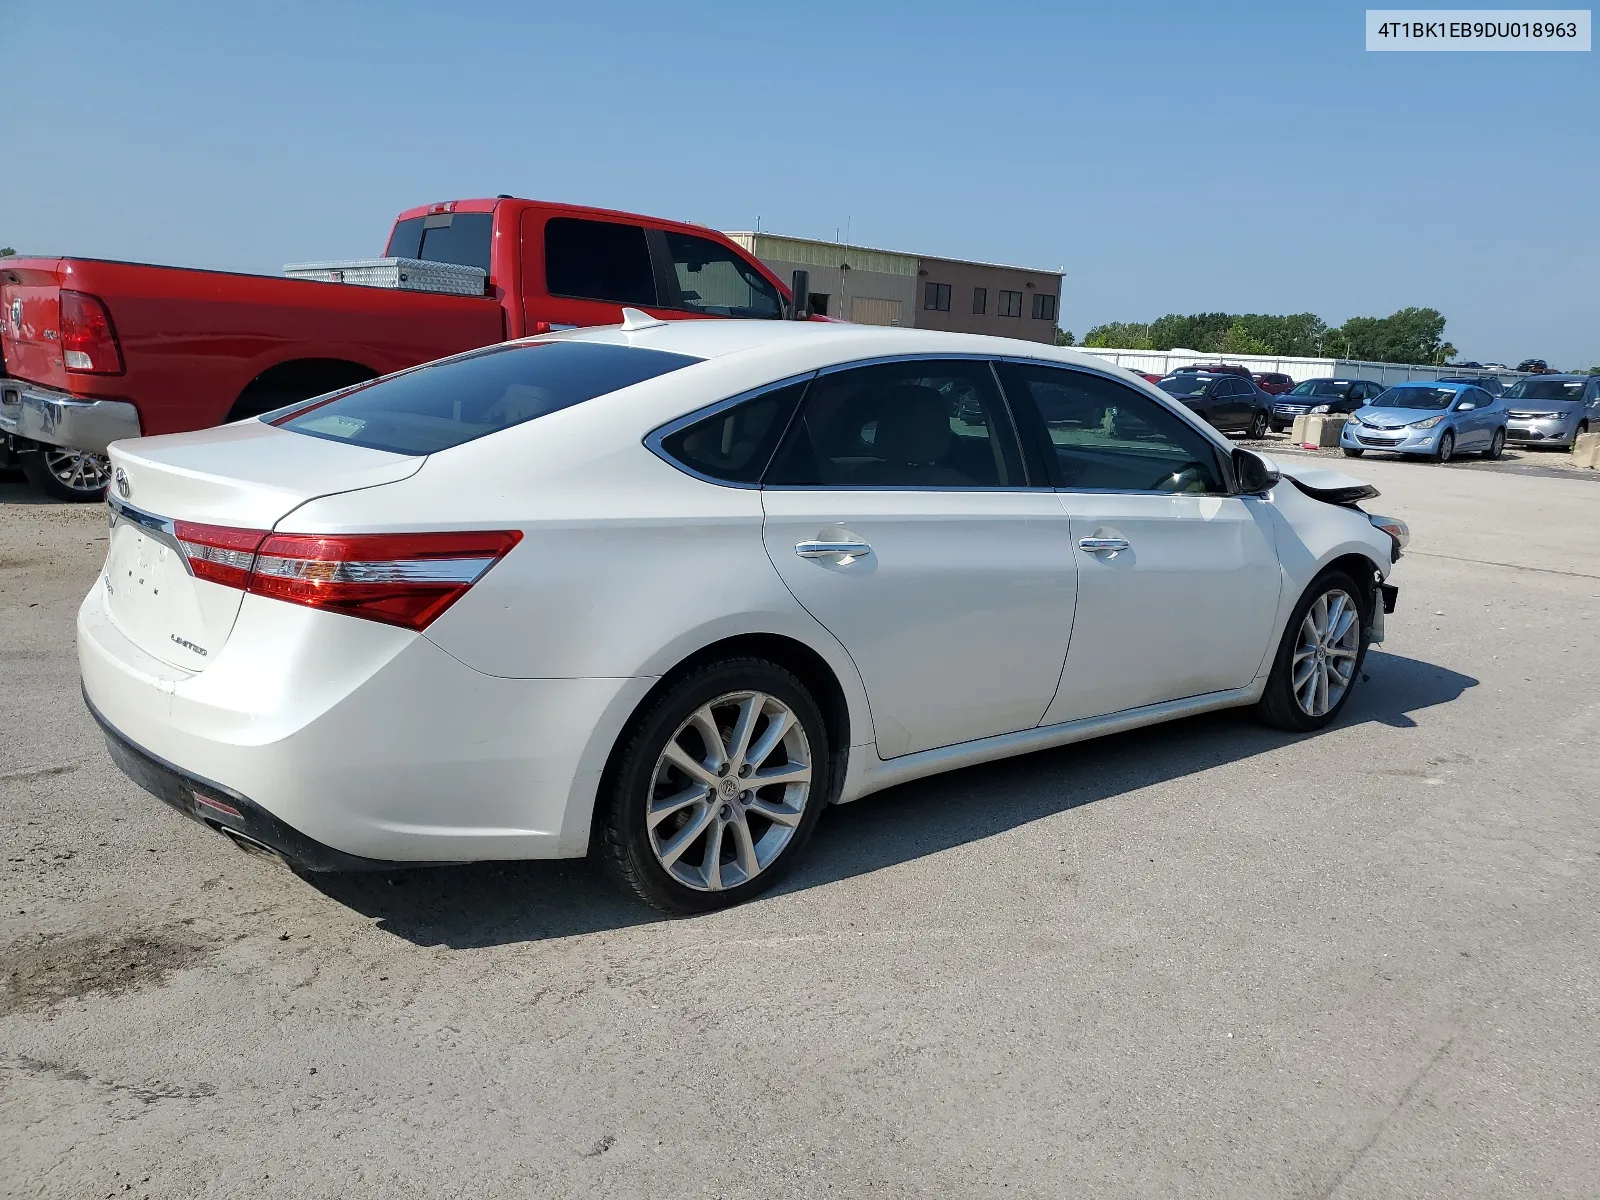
870, 287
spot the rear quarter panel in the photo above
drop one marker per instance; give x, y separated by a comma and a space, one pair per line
193, 340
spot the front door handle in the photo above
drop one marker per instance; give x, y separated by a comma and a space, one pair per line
1096, 544
844, 551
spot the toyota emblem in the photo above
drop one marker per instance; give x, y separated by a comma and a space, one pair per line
124, 488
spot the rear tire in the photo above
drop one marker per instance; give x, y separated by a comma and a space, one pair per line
1497, 445
71, 475
1258, 427
1308, 686
681, 820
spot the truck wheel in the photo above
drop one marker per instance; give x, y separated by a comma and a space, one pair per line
71, 475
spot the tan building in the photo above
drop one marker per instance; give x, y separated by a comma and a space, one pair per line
886, 287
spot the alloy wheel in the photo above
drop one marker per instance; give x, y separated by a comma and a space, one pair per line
1497, 444
729, 791
1325, 652
77, 470
1258, 426
1447, 447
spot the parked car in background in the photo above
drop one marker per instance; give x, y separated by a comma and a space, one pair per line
1536, 365
1326, 395
767, 570
1436, 420
1150, 376
1552, 410
1489, 383
1274, 383
97, 351
1212, 369
1231, 403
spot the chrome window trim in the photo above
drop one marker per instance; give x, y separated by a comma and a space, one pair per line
653, 440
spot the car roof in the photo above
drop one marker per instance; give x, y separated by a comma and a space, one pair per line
838, 341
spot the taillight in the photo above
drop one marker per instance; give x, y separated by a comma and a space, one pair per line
218, 553
404, 579
88, 342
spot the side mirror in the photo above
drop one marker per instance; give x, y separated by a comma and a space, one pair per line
1466, 406
800, 305
1256, 476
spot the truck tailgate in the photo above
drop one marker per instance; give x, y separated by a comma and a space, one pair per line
30, 306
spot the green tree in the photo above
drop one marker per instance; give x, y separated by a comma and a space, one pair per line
1239, 341
1063, 336
1120, 335
1412, 335
6, 251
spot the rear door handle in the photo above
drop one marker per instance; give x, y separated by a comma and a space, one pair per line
842, 550
1096, 544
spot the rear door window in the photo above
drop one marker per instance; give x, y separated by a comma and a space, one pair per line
444, 404
598, 260
714, 280
463, 238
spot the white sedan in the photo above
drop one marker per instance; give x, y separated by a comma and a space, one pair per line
663, 592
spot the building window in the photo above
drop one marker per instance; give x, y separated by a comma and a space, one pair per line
936, 297
1044, 307
1010, 304
980, 301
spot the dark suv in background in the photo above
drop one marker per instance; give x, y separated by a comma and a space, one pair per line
1329, 395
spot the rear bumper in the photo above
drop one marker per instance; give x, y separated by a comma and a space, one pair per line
358, 739
60, 419
225, 810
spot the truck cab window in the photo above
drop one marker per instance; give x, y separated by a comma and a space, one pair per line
714, 280
598, 260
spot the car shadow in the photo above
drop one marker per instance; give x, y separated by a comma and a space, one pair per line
15, 488
490, 904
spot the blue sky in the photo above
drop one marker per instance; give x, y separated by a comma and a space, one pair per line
1173, 157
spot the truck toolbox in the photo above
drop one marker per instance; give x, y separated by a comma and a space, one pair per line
408, 274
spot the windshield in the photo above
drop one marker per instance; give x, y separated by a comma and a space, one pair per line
1426, 399
1322, 387
445, 404
1185, 385
1546, 389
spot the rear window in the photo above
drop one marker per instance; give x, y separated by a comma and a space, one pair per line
435, 407
461, 238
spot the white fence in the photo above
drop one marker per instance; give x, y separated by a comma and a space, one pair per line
1160, 362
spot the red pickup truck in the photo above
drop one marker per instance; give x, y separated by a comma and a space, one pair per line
94, 350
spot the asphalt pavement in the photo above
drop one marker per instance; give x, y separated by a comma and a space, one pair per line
1205, 959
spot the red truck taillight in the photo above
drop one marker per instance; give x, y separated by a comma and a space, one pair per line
404, 579
88, 342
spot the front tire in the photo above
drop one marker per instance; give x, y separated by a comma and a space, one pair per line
1320, 657
71, 475
716, 787
1497, 445
1447, 447
1353, 451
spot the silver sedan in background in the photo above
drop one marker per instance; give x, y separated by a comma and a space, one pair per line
1552, 410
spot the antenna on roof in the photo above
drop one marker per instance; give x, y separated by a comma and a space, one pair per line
633, 319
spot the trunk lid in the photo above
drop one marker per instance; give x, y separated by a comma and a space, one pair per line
247, 476
30, 307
